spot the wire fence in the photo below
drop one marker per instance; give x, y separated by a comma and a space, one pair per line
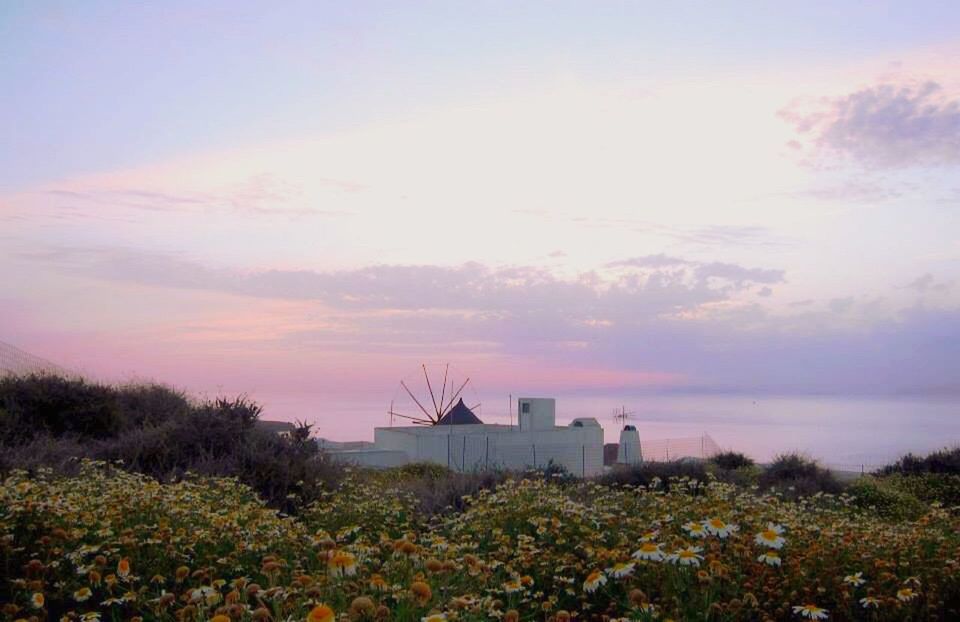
669, 449
16, 362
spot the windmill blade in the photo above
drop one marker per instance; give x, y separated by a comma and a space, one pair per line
455, 395
420, 420
430, 388
475, 406
443, 392
414, 398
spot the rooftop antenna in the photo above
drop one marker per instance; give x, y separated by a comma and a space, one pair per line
621, 416
419, 404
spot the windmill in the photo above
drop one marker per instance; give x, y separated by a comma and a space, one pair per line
417, 399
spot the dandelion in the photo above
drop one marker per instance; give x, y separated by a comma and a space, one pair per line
321, 613
856, 579
82, 595
720, 528
906, 594
870, 602
650, 551
594, 580
696, 530
811, 612
687, 556
621, 570
770, 558
771, 537
37, 600
342, 564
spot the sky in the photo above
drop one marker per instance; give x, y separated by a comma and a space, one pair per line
304, 202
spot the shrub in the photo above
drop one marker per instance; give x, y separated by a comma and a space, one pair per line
43, 404
796, 475
946, 461
643, 474
731, 460
886, 500
943, 488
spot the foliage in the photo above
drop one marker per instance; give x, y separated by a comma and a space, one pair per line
796, 476
111, 544
878, 495
943, 488
731, 460
647, 473
154, 430
946, 461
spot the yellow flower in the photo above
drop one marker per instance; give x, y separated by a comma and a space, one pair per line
37, 600
771, 536
649, 550
82, 594
342, 564
435, 617
720, 528
421, 592
906, 594
594, 580
811, 612
321, 613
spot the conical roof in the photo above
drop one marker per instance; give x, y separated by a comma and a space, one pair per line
459, 415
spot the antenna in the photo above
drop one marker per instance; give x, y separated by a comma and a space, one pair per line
621, 416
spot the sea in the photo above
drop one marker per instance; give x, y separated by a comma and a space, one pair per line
847, 433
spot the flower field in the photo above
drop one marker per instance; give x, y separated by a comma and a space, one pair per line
107, 544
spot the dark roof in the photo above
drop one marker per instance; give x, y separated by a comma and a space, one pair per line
459, 415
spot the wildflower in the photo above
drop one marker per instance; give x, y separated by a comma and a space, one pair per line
811, 612
321, 613
512, 586
771, 537
123, 568
687, 556
770, 558
377, 583
37, 600
869, 602
91, 616
342, 564
720, 528
649, 550
83, 594
421, 592
856, 579
621, 570
649, 536
906, 594
362, 606
220, 618
696, 530
594, 580
435, 617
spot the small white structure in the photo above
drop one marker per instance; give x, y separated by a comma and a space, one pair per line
629, 450
462, 442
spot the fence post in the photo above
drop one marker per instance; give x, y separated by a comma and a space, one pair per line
668, 450
486, 456
534, 456
448, 451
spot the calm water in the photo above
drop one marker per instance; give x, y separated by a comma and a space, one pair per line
839, 431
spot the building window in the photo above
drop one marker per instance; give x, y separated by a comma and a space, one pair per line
525, 407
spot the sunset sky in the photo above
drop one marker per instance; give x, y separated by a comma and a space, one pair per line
750, 197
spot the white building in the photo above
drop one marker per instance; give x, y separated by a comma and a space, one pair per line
462, 442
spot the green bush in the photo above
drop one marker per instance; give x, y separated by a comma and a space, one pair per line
945, 461
47, 405
731, 460
940, 488
887, 500
798, 476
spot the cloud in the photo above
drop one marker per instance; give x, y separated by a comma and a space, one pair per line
884, 126
926, 283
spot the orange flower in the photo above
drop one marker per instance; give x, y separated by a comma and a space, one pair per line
123, 568
220, 618
421, 592
321, 613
